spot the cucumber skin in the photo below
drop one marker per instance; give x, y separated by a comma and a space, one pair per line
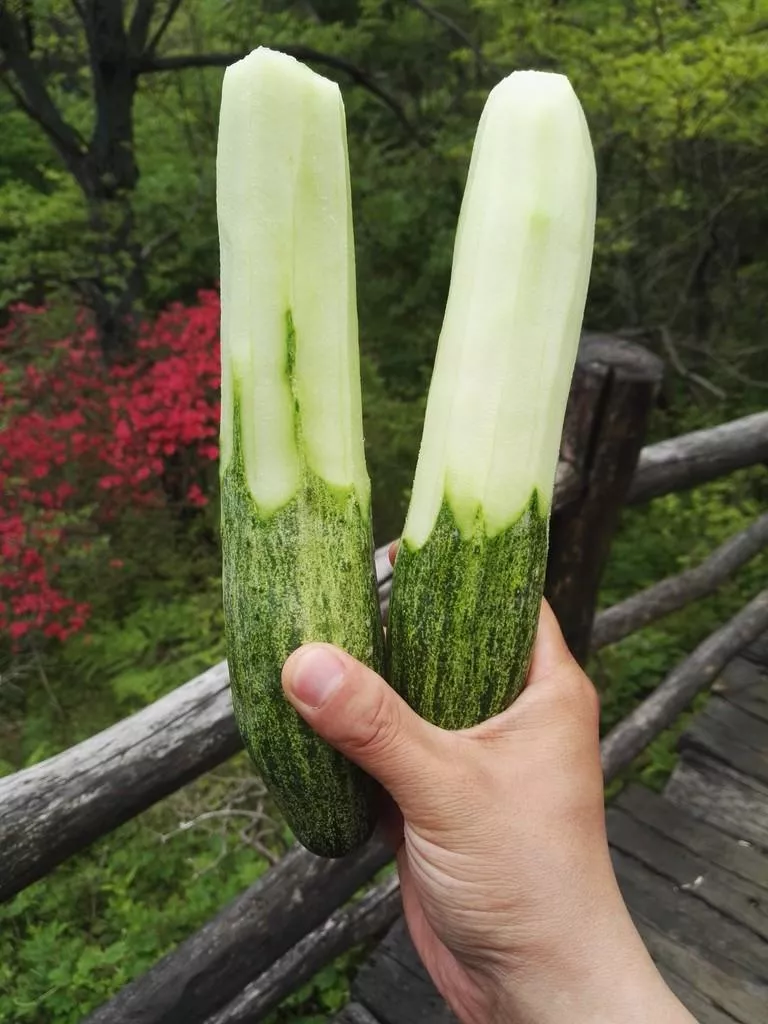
300, 574
463, 616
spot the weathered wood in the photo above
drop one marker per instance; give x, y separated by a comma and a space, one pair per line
614, 387
57, 807
698, 671
704, 1011
726, 799
352, 924
676, 592
742, 997
735, 898
757, 652
354, 1013
728, 734
207, 971
660, 817
60, 806
742, 685
745, 728
692, 459
394, 986
690, 921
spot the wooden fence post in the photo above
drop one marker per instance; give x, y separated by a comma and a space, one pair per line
614, 389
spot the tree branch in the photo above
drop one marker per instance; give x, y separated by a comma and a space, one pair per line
149, 64
676, 592
170, 13
34, 99
446, 22
674, 357
138, 30
79, 10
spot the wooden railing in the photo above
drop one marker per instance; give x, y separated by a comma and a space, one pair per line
295, 918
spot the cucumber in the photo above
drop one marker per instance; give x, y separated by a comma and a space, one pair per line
469, 573
295, 495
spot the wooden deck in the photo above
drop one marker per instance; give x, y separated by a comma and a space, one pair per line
692, 864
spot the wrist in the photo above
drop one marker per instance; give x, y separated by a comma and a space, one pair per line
643, 998
611, 982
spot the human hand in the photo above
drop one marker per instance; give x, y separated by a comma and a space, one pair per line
507, 885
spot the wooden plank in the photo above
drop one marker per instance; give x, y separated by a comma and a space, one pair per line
702, 1009
354, 1013
698, 836
394, 986
745, 685
726, 799
690, 921
745, 729
743, 997
212, 967
752, 703
758, 651
735, 898
743, 674
719, 737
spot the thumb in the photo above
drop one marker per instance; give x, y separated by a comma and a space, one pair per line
357, 712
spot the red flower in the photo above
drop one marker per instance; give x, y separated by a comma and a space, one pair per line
81, 442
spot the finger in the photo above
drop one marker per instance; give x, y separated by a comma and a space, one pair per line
556, 688
390, 821
352, 708
392, 551
550, 651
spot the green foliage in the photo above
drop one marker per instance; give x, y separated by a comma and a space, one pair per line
73, 939
677, 102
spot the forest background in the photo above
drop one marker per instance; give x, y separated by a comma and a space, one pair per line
109, 555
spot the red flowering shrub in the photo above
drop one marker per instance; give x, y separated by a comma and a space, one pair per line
81, 445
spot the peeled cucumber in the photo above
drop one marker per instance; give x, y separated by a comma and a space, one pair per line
470, 568
295, 494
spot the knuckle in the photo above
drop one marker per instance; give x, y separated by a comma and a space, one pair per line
375, 727
588, 697
578, 696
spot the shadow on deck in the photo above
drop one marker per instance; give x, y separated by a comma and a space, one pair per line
692, 865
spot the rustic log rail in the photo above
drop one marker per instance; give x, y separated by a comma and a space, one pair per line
243, 940
60, 806
692, 459
292, 920
371, 915
676, 592
630, 737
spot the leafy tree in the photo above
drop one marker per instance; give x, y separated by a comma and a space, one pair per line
75, 70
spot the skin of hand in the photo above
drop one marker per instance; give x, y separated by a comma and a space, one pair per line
507, 885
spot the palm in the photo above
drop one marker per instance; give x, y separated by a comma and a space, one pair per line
451, 979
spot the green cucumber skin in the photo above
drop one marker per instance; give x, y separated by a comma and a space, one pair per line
463, 617
303, 573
